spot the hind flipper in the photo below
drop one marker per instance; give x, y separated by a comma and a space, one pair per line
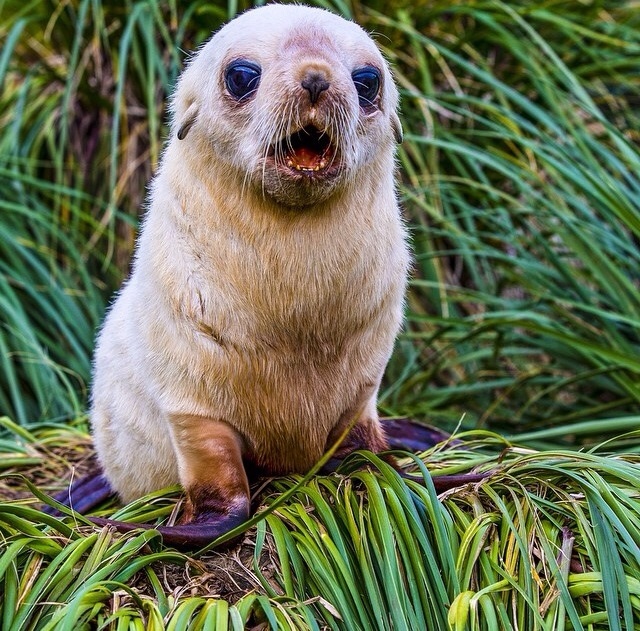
190, 536
83, 494
403, 433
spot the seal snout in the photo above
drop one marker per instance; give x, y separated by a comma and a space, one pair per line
315, 83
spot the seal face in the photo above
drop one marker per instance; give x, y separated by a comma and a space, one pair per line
300, 106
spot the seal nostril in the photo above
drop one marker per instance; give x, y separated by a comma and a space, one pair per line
314, 83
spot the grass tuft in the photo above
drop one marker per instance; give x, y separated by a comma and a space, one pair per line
550, 540
519, 175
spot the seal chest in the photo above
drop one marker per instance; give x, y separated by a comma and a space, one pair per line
268, 282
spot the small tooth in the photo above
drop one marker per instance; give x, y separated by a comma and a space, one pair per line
289, 162
298, 167
317, 168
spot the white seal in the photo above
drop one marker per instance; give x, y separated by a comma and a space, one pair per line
268, 282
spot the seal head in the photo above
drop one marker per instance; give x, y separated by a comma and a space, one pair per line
297, 109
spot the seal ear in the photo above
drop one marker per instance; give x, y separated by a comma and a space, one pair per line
188, 120
396, 126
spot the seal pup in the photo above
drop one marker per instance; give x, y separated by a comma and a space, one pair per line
268, 281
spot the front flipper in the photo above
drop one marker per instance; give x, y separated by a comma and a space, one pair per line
207, 525
211, 472
189, 536
400, 434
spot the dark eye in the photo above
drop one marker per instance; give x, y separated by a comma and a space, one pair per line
367, 82
242, 78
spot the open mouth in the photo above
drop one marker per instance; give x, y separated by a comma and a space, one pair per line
308, 151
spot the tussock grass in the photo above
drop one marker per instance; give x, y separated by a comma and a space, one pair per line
50, 303
519, 176
81, 119
549, 541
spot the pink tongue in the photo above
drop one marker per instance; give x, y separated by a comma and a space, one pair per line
305, 157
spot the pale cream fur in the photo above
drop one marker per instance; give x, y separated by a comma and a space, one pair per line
247, 304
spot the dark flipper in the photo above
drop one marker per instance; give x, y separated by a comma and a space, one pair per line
408, 435
83, 495
90, 491
189, 536
403, 433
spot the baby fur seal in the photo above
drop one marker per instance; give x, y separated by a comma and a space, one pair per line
269, 276
268, 282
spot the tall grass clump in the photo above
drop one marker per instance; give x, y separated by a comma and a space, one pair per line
83, 86
520, 176
548, 541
